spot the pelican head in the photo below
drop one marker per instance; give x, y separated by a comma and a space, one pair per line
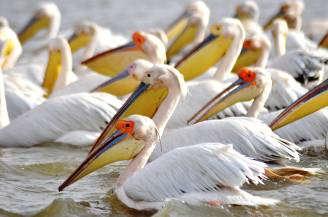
10, 47
247, 10
255, 52
47, 16
253, 84
3, 22
310, 102
144, 46
59, 60
210, 51
159, 33
83, 34
128, 140
122, 144
188, 29
291, 11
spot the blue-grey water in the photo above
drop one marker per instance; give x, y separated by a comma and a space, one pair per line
29, 177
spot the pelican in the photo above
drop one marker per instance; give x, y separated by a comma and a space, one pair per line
143, 45
230, 34
46, 17
248, 13
291, 11
92, 39
249, 136
194, 21
141, 186
305, 67
10, 48
258, 87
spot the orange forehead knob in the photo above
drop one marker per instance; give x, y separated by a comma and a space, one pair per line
125, 126
248, 44
247, 75
138, 39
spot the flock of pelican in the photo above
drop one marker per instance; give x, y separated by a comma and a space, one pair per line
198, 110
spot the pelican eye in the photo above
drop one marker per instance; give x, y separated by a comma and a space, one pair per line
148, 75
125, 126
215, 29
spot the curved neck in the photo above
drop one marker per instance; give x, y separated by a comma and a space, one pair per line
264, 56
4, 117
53, 26
279, 44
259, 102
91, 47
66, 72
161, 118
226, 64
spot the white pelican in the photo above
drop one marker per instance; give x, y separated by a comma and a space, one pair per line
194, 22
250, 137
291, 11
226, 38
89, 39
305, 67
144, 45
10, 48
248, 13
258, 87
46, 17
215, 174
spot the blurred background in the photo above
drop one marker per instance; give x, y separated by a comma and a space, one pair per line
125, 16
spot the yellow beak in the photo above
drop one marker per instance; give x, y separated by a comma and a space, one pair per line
177, 27
238, 91
247, 57
269, 23
115, 60
32, 28
187, 36
6, 48
52, 71
120, 146
203, 56
78, 41
312, 101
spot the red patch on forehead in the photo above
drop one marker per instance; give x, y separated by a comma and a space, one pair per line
138, 39
247, 75
125, 126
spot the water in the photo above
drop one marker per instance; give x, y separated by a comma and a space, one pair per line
29, 177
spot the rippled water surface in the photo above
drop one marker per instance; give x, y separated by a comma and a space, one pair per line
29, 177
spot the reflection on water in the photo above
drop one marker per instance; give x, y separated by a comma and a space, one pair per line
29, 177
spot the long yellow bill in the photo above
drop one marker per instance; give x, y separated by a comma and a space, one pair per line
144, 101
247, 57
78, 41
203, 56
244, 89
187, 36
177, 26
312, 101
32, 28
52, 71
118, 147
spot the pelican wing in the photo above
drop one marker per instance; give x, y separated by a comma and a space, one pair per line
201, 168
250, 137
285, 90
312, 127
303, 66
58, 116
